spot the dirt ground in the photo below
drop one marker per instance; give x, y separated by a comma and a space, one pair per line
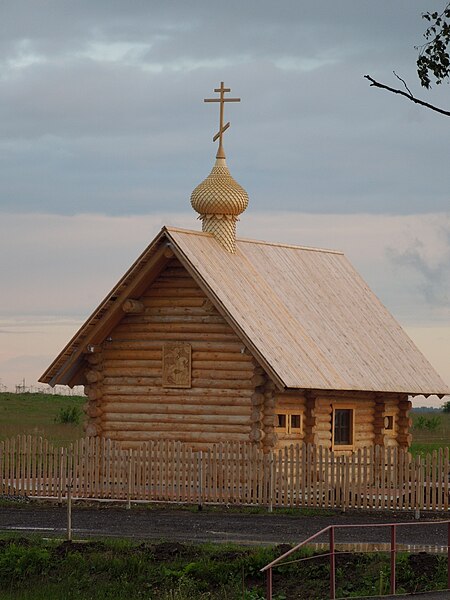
214, 524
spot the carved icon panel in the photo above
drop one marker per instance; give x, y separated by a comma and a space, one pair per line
176, 365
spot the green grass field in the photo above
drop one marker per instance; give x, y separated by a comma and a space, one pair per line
430, 431
37, 414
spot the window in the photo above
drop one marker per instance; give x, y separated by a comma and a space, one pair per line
287, 423
343, 427
389, 423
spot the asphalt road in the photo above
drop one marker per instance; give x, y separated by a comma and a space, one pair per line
219, 525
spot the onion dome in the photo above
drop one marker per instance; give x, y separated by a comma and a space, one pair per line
219, 199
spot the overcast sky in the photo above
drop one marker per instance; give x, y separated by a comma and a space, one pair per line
104, 134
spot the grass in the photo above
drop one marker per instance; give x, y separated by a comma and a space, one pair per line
427, 439
39, 414
37, 569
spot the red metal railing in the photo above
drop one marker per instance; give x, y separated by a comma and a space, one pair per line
268, 569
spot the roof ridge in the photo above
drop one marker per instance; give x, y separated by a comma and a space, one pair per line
260, 242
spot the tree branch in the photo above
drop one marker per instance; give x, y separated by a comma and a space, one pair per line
382, 86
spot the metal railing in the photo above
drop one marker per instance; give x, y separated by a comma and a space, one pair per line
268, 569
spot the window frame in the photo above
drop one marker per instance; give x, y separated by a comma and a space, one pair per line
342, 407
288, 429
390, 430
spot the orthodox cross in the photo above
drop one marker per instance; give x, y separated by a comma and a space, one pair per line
222, 128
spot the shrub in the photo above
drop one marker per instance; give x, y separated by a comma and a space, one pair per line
69, 414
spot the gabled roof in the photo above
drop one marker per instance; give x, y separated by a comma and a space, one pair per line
305, 313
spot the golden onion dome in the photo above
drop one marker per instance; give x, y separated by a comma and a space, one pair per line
219, 193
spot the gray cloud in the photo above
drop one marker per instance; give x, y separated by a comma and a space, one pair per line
432, 279
101, 106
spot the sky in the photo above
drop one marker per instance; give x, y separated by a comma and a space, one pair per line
104, 134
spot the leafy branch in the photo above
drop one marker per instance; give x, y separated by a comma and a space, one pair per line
433, 60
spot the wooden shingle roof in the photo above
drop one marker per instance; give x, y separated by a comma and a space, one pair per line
305, 313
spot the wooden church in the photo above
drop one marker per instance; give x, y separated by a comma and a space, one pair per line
210, 338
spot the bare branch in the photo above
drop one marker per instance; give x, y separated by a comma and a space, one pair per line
409, 96
404, 83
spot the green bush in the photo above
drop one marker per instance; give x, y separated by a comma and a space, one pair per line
429, 423
69, 414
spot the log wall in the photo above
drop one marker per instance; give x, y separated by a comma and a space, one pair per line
369, 411
127, 401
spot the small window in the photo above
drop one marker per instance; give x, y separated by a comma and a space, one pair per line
287, 423
281, 421
389, 423
296, 423
343, 427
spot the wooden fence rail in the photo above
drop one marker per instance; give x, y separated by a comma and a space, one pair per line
226, 473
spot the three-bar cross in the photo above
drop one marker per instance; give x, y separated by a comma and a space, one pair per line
222, 128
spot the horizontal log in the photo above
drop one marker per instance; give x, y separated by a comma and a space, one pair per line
165, 427
174, 408
127, 363
175, 404
111, 383
290, 398
197, 345
361, 428
133, 306
222, 357
292, 406
116, 373
182, 327
199, 421
174, 271
167, 311
131, 355
144, 392
155, 370
223, 365
191, 337
175, 292
239, 375
164, 282
344, 395
188, 437
176, 319
153, 301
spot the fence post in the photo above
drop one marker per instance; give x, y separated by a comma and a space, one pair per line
419, 483
129, 454
332, 565
393, 555
270, 482
200, 480
69, 512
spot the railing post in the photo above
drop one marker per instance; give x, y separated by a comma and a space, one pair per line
269, 583
393, 556
332, 565
448, 555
